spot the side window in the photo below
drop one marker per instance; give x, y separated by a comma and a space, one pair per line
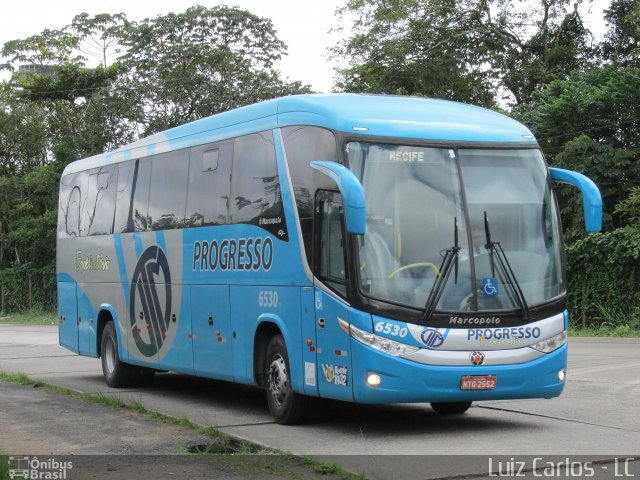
140, 195
209, 184
132, 196
302, 145
98, 210
330, 263
124, 189
168, 195
70, 206
255, 187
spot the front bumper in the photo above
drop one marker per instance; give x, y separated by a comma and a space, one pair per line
405, 381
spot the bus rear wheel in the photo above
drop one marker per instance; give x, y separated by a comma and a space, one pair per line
286, 406
450, 408
117, 373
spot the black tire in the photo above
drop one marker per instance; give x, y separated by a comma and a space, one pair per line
450, 408
117, 373
286, 406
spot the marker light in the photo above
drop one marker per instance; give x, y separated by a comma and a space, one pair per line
562, 374
373, 379
552, 343
385, 345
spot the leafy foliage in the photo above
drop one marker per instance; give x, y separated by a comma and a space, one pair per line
622, 43
467, 50
589, 123
604, 271
181, 67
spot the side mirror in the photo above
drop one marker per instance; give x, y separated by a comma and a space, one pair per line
351, 192
591, 198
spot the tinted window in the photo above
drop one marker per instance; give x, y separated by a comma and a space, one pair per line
132, 196
255, 185
98, 210
302, 145
168, 195
70, 205
330, 265
124, 189
139, 214
209, 184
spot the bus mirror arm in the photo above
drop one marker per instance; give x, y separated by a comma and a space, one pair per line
591, 198
351, 191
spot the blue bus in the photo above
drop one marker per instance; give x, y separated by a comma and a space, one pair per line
370, 249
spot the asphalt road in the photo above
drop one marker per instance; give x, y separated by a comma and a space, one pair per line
597, 416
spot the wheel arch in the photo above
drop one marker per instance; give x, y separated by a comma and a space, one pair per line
106, 313
268, 326
265, 331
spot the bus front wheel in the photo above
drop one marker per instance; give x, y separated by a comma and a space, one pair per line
287, 407
450, 408
117, 373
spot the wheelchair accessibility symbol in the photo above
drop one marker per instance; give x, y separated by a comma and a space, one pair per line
490, 287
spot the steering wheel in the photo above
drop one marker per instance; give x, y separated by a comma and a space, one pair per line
414, 265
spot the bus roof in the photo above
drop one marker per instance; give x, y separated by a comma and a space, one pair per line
375, 115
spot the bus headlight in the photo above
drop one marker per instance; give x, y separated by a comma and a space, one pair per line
552, 343
383, 344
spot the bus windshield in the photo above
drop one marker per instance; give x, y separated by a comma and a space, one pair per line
423, 201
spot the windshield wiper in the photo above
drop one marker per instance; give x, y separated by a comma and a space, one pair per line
516, 296
449, 261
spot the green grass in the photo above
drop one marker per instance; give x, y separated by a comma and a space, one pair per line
624, 331
33, 317
19, 378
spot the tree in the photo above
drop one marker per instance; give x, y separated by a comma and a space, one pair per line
181, 67
622, 41
81, 113
414, 47
99, 37
469, 50
591, 123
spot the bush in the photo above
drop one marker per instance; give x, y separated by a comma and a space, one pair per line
26, 287
603, 271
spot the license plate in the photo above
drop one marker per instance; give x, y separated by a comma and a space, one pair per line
478, 382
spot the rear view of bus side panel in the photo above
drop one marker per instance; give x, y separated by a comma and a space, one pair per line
86, 261
67, 313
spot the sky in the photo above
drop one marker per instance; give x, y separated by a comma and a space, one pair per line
303, 25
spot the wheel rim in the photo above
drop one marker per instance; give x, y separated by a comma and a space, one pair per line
110, 356
278, 381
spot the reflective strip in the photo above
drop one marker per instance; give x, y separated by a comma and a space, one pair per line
486, 337
462, 358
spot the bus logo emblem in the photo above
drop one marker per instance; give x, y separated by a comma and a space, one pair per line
151, 292
477, 358
431, 338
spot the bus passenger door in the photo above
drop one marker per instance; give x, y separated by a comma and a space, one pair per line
332, 342
212, 335
68, 315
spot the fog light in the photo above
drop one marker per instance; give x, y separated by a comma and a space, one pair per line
373, 379
562, 374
